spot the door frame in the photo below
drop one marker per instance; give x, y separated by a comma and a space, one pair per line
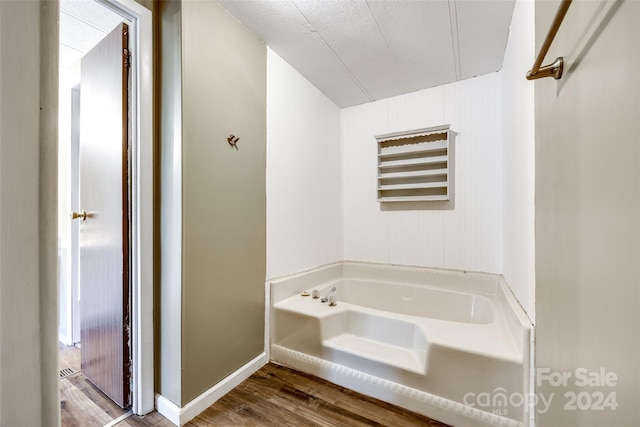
73, 265
141, 188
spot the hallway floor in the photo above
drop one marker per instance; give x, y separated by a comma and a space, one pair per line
273, 396
83, 405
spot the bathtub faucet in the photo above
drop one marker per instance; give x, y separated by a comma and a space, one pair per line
325, 299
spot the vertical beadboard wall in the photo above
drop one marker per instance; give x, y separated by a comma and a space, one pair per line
468, 237
304, 200
519, 157
312, 221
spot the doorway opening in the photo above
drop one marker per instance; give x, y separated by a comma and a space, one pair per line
84, 25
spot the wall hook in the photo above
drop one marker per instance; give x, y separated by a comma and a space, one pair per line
233, 141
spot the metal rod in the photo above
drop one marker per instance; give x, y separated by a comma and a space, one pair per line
555, 69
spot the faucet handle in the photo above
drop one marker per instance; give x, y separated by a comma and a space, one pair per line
333, 300
325, 299
315, 294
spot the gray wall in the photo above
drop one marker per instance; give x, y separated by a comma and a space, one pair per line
28, 214
213, 207
224, 196
588, 211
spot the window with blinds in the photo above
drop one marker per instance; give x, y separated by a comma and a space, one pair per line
414, 166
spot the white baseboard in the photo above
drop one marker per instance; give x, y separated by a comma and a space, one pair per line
168, 409
182, 415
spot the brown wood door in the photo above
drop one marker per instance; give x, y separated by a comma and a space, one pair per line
104, 235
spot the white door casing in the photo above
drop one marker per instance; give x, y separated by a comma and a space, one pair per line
141, 196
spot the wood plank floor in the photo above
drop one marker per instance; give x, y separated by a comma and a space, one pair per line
273, 396
279, 396
83, 405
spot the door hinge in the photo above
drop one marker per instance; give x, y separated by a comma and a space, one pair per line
126, 56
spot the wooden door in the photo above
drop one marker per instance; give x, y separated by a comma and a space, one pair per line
104, 235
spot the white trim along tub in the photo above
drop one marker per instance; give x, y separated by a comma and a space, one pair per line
452, 345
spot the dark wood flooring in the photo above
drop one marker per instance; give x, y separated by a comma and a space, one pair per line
273, 396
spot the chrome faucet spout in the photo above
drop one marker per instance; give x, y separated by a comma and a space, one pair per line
326, 298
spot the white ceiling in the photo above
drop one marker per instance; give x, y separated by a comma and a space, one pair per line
356, 51
83, 23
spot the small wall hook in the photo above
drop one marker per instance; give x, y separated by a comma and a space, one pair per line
233, 141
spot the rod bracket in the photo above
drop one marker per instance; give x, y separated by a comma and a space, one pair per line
552, 70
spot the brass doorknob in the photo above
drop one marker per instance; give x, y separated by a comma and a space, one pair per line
82, 215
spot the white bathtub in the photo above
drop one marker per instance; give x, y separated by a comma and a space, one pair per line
431, 341
414, 300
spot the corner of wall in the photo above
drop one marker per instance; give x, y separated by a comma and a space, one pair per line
517, 103
169, 127
304, 173
181, 415
342, 197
